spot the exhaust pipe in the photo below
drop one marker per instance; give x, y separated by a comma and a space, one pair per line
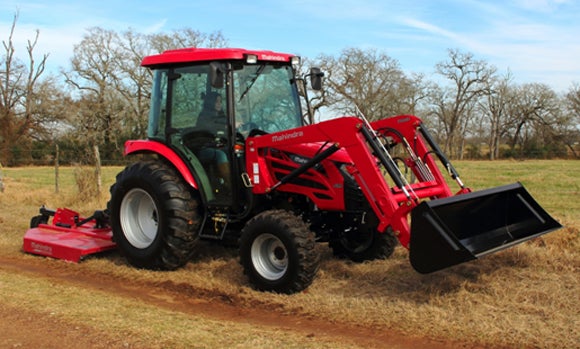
457, 229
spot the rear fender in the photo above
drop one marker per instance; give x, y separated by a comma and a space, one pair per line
149, 146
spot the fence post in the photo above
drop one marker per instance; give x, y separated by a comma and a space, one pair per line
56, 172
98, 169
1, 182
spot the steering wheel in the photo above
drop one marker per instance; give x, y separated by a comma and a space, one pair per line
199, 138
242, 131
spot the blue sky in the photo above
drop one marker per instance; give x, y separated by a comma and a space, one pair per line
538, 40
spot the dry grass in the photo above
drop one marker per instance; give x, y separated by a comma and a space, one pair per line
522, 297
130, 323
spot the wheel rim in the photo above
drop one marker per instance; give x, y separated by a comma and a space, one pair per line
139, 218
269, 257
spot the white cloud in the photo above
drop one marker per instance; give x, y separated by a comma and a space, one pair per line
155, 27
539, 50
431, 29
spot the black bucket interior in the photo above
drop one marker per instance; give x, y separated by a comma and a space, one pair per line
457, 229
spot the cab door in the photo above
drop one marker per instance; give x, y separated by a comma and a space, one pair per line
198, 128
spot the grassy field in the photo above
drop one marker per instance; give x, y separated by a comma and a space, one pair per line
527, 296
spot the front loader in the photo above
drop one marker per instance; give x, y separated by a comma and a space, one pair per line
230, 157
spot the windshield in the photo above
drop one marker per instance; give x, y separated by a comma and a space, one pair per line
265, 96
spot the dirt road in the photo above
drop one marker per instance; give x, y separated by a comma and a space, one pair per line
27, 328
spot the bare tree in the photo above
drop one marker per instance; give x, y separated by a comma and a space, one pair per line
533, 110
369, 80
20, 98
494, 108
93, 75
573, 102
132, 82
571, 134
454, 105
185, 37
112, 87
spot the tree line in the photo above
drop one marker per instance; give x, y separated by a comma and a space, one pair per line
102, 98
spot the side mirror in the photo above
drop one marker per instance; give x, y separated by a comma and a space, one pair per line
316, 78
216, 74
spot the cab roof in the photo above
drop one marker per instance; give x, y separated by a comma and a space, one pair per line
186, 55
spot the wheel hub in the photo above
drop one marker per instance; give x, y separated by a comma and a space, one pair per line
269, 256
139, 218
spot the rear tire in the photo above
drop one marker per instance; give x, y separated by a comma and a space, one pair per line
277, 252
154, 216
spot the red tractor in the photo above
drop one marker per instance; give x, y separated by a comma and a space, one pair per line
229, 156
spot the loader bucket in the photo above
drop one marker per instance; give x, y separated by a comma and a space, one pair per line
453, 230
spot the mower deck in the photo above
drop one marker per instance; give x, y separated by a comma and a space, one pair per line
68, 241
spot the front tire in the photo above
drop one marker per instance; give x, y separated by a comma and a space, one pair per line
154, 216
277, 252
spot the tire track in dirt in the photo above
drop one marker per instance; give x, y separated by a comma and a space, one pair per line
185, 298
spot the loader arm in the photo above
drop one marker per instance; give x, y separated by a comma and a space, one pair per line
389, 201
439, 228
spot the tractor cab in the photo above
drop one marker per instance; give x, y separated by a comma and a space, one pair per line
204, 109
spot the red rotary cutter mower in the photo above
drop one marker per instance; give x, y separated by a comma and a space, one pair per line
69, 236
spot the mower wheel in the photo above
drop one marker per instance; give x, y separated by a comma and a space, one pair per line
37, 220
154, 216
277, 252
364, 244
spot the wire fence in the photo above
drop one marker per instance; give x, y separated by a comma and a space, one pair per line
64, 157
68, 157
